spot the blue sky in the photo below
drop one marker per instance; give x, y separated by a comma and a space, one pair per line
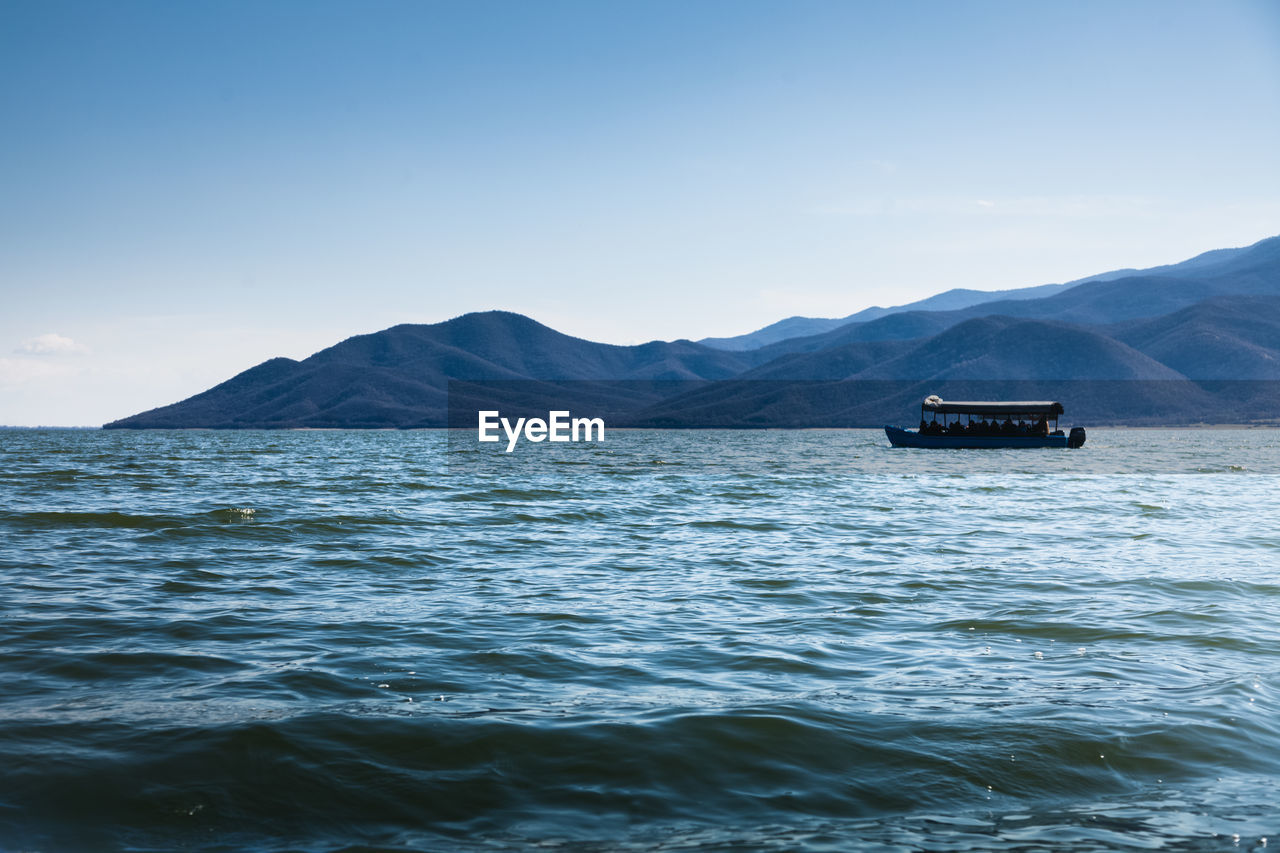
191, 188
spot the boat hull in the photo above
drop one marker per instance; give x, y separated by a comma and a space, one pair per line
906, 438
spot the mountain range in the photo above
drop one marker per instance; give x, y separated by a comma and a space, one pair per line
956, 298
1189, 342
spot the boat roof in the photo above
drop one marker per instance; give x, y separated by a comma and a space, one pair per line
1049, 408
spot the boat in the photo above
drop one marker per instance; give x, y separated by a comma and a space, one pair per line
974, 424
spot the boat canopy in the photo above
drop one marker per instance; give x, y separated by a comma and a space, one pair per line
1048, 408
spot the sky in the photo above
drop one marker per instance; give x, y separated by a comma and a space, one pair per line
188, 189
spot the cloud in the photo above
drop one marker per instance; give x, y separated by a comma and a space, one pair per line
50, 344
885, 167
1073, 207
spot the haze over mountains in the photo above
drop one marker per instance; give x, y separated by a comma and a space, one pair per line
956, 298
1169, 335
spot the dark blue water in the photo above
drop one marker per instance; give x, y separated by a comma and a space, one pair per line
672, 640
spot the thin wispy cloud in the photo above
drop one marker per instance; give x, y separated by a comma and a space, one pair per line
1072, 206
19, 371
50, 344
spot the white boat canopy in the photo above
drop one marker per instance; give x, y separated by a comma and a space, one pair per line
1048, 408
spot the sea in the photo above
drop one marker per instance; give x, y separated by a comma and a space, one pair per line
686, 640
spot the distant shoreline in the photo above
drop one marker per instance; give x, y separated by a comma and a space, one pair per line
1196, 426
8, 427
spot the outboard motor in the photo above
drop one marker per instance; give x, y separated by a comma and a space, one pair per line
1076, 437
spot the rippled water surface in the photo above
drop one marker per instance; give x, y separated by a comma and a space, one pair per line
671, 640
